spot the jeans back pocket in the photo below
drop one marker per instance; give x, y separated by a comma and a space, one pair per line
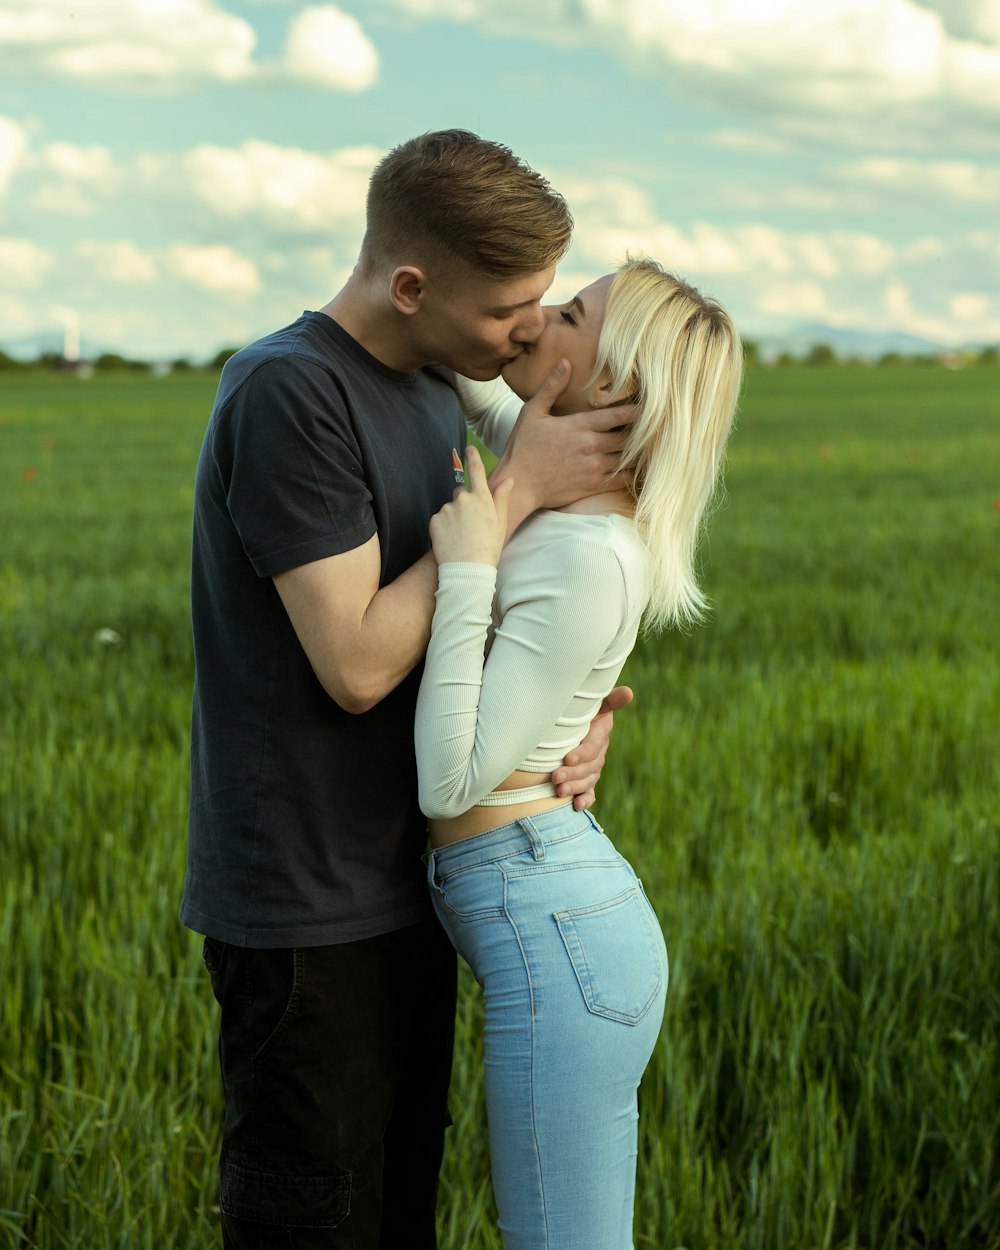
616, 950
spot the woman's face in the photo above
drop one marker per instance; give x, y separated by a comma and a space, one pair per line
571, 332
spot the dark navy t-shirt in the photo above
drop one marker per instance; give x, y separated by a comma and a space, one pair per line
304, 828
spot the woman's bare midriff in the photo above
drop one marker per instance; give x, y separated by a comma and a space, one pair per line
480, 819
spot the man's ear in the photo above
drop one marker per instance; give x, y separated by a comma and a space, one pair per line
407, 288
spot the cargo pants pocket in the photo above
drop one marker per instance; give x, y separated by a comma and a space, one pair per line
288, 1201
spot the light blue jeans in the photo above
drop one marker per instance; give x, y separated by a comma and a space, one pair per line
555, 926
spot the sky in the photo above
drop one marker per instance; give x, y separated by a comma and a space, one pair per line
179, 176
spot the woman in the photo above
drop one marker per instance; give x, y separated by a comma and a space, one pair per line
552, 920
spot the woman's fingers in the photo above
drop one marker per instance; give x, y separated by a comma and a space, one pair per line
473, 526
477, 471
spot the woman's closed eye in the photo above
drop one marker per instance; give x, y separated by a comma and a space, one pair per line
567, 316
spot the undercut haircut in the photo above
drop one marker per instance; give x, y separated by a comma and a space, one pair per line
451, 195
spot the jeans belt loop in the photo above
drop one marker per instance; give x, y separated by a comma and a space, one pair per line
431, 872
537, 845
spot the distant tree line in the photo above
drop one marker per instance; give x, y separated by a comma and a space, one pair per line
820, 355
112, 362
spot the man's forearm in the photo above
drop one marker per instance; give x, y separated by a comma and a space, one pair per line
393, 634
361, 640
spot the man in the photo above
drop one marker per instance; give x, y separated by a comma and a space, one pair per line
329, 448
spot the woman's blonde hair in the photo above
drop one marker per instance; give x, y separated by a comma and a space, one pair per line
677, 355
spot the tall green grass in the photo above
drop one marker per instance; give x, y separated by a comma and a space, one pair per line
809, 788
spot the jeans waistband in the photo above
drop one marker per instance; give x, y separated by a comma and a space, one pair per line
529, 833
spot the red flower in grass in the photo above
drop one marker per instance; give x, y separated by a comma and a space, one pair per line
30, 473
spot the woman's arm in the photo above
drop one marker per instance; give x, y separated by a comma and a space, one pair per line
479, 718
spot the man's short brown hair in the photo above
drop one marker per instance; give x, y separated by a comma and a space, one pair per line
453, 194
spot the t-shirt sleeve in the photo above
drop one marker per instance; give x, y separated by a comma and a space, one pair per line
491, 409
292, 468
477, 719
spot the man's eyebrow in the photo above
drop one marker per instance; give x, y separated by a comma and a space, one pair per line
509, 308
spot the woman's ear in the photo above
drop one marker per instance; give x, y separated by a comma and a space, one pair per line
407, 287
602, 396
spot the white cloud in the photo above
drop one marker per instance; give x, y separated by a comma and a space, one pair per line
154, 303
94, 163
614, 217
970, 305
879, 183
216, 268
793, 301
908, 302
897, 301
773, 279
136, 44
13, 145
290, 189
958, 182
757, 143
810, 198
804, 63
920, 250
986, 242
918, 302
267, 230
328, 48
23, 263
968, 19
16, 317
70, 180
120, 262
170, 45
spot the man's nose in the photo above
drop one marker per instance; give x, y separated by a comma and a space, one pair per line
529, 325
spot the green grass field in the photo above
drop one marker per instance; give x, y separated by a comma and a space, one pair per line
809, 787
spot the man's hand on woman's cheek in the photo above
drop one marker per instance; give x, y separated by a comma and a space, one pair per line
555, 460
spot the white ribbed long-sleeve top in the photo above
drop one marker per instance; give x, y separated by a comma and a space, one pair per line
521, 656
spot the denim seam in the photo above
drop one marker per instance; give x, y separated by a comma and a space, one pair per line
608, 904
535, 869
441, 873
483, 913
534, 1066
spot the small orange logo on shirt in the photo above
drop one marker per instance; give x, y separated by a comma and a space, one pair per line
456, 464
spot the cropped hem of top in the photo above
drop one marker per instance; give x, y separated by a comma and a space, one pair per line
522, 794
521, 657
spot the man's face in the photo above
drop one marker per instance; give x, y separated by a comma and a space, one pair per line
477, 325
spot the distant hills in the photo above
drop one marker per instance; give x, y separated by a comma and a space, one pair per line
860, 344
864, 345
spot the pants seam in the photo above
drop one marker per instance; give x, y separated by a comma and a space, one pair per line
533, 1068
